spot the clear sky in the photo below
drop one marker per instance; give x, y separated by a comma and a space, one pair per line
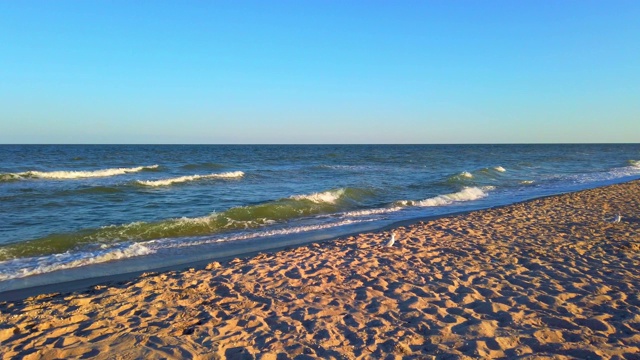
319, 71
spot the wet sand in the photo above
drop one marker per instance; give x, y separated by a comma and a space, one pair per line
549, 278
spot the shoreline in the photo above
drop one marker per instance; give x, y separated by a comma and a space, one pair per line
81, 285
547, 276
286, 242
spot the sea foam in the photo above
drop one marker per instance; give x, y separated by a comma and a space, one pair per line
23, 267
368, 212
181, 179
19, 268
235, 218
78, 174
466, 194
330, 196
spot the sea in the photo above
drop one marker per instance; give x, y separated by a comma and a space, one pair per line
70, 212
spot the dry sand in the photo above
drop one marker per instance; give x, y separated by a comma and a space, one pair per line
549, 278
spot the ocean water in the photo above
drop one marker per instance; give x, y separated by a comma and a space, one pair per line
88, 210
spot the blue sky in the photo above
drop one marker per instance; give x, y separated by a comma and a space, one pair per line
319, 71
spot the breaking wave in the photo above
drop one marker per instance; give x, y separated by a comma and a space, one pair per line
73, 174
114, 242
238, 218
329, 197
466, 194
181, 179
19, 268
22, 267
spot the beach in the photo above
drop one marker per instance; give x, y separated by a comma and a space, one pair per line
553, 277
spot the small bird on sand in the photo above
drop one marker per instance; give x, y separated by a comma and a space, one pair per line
392, 240
617, 219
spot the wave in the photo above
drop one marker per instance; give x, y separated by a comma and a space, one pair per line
368, 212
491, 172
173, 243
7, 177
462, 178
632, 169
466, 194
92, 246
329, 197
73, 174
19, 268
238, 218
181, 179
481, 176
23, 267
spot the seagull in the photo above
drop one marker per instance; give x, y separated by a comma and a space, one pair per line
617, 219
392, 240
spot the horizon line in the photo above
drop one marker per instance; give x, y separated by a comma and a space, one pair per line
320, 144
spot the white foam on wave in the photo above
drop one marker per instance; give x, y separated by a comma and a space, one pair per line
526, 182
466, 174
9, 177
82, 174
368, 212
19, 268
329, 197
615, 173
177, 243
466, 194
181, 179
499, 169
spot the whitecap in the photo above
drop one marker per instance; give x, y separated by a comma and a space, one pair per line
466, 194
181, 179
82, 173
329, 197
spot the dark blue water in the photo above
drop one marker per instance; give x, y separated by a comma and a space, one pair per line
70, 206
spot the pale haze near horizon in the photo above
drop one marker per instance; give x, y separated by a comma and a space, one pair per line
319, 72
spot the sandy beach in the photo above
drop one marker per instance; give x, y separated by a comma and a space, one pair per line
550, 278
